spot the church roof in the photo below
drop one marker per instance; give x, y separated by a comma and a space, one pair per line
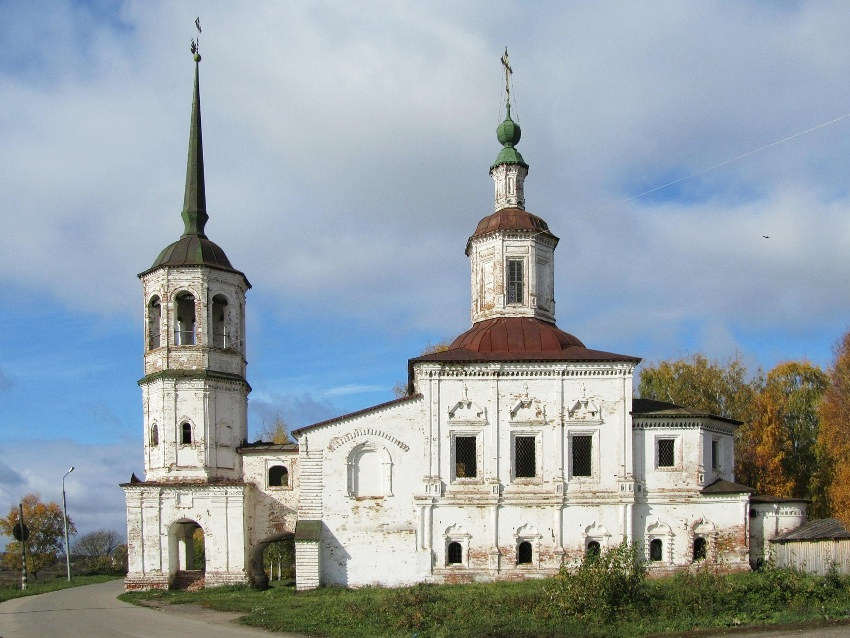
507, 219
721, 486
652, 408
519, 339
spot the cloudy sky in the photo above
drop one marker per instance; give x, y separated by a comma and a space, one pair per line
347, 148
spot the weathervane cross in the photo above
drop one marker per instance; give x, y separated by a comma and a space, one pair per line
195, 45
508, 72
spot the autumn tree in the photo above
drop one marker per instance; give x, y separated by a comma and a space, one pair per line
46, 538
784, 430
833, 444
274, 430
721, 388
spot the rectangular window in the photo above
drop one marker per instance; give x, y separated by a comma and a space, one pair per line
525, 457
515, 281
666, 456
582, 455
715, 454
466, 453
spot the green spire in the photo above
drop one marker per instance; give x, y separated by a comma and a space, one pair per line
194, 200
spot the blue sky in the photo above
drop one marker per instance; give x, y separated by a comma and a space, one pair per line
347, 149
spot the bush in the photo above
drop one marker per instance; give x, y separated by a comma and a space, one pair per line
602, 586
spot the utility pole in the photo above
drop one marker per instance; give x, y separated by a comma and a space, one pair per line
65, 520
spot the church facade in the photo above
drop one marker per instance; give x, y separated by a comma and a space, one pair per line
516, 449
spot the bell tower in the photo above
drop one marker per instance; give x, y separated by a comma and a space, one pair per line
511, 252
194, 391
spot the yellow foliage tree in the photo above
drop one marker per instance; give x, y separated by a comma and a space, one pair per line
834, 433
46, 538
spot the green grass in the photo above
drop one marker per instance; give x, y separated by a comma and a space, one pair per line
526, 610
43, 586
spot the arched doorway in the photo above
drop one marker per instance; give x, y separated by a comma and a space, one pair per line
187, 554
272, 557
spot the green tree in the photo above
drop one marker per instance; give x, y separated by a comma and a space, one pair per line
722, 388
833, 446
46, 538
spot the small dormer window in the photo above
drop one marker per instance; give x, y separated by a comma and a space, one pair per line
515, 287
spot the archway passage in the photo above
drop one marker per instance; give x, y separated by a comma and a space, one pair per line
187, 555
273, 557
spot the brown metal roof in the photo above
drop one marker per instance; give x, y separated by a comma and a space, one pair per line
726, 487
193, 250
519, 339
515, 219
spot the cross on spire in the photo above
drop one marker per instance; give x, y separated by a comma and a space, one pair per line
508, 72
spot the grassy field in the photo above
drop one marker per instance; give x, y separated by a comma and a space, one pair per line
43, 585
534, 608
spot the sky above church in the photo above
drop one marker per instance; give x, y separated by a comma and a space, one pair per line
347, 148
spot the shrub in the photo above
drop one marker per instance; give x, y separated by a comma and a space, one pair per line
601, 586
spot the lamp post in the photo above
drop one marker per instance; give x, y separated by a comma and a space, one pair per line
65, 520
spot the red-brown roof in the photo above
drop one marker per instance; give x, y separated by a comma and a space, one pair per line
519, 339
511, 219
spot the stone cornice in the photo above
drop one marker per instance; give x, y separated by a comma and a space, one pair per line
206, 375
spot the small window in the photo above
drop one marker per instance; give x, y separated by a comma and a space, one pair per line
154, 318
593, 550
656, 550
220, 321
525, 457
154, 435
454, 553
699, 548
278, 476
715, 454
515, 281
524, 553
666, 456
184, 327
186, 434
582, 455
466, 457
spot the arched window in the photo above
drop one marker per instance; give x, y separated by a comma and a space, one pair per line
154, 318
186, 433
278, 476
184, 326
655, 550
220, 323
524, 553
700, 547
154, 435
593, 549
454, 553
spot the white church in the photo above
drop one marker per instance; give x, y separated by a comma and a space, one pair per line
516, 450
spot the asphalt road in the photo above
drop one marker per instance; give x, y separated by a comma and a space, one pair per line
94, 611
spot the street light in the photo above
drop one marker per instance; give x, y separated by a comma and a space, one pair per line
65, 520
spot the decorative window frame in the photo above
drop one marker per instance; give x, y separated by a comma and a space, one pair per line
274, 462
476, 432
664, 533
527, 533
386, 470
594, 454
192, 431
599, 534
456, 534
537, 435
677, 452
525, 277
701, 528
